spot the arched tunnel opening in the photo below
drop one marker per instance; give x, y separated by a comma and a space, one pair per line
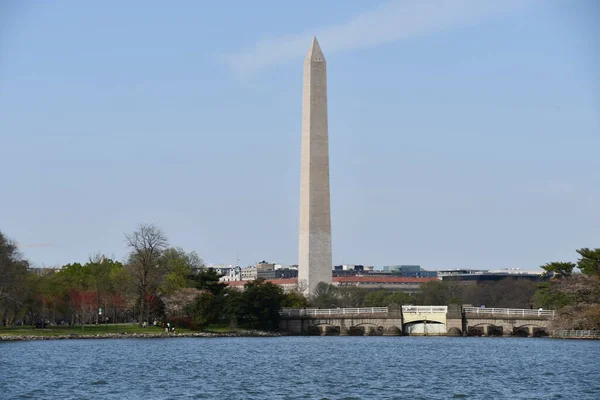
323, 330
313, 330
494, 330
332, 330
366, 330
540, 332
475, 331
356, 331
424, 328
521, 332
375, 330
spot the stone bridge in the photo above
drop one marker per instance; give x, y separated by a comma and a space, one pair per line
388, 321
505, 322
417, 320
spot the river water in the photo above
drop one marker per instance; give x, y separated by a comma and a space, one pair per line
301, 368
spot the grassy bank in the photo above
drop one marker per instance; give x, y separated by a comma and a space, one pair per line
93, 330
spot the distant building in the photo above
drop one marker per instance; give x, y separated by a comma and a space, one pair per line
410, 271
389, 283
235, 274
248, 273
383, 282
442, 273
221, 269
477, 276
42, 271
347, 270
286, 266
286, 284
286, 273
264, 270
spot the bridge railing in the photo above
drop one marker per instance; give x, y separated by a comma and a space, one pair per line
515, 312
425, 309
577, 333
316, 312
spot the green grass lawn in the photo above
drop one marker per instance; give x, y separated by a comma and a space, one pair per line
78, 330
102, 329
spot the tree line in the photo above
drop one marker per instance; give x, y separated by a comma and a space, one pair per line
506, 293
158, 283
155, 284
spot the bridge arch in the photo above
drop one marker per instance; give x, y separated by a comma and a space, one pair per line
454, 331
323, 329
533, 330
424, 327
366, 329
485, 329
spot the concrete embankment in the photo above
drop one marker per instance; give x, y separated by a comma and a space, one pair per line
142, 335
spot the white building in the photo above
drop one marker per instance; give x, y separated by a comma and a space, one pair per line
233, 275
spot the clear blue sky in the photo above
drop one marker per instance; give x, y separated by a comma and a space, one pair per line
463, 133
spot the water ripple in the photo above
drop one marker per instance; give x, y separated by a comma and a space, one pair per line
332, 368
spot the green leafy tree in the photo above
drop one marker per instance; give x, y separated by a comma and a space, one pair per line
101, 270
178, 266
13, 280
293, 299
234, 308
506, 293
589, 263
558, 269
351, 296
325, 296
376, 298
399, 298
69, 281
439, 293
208, 279
204, 311
575, 296
546, 296
262, 302
122, 295
576, 299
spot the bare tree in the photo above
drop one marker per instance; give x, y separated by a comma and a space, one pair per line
147, 245
301, 287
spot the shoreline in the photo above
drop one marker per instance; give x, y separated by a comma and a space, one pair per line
208, 335
15, 338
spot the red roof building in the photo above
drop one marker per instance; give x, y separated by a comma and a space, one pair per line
391, 283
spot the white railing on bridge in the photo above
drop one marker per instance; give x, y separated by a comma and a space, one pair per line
516, 312
315, 312
425, 309
577, 334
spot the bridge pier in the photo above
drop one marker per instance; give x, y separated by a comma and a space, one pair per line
392, 331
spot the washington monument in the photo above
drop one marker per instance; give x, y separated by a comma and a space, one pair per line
314, 263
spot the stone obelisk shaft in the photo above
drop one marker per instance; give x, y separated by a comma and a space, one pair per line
314, 263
